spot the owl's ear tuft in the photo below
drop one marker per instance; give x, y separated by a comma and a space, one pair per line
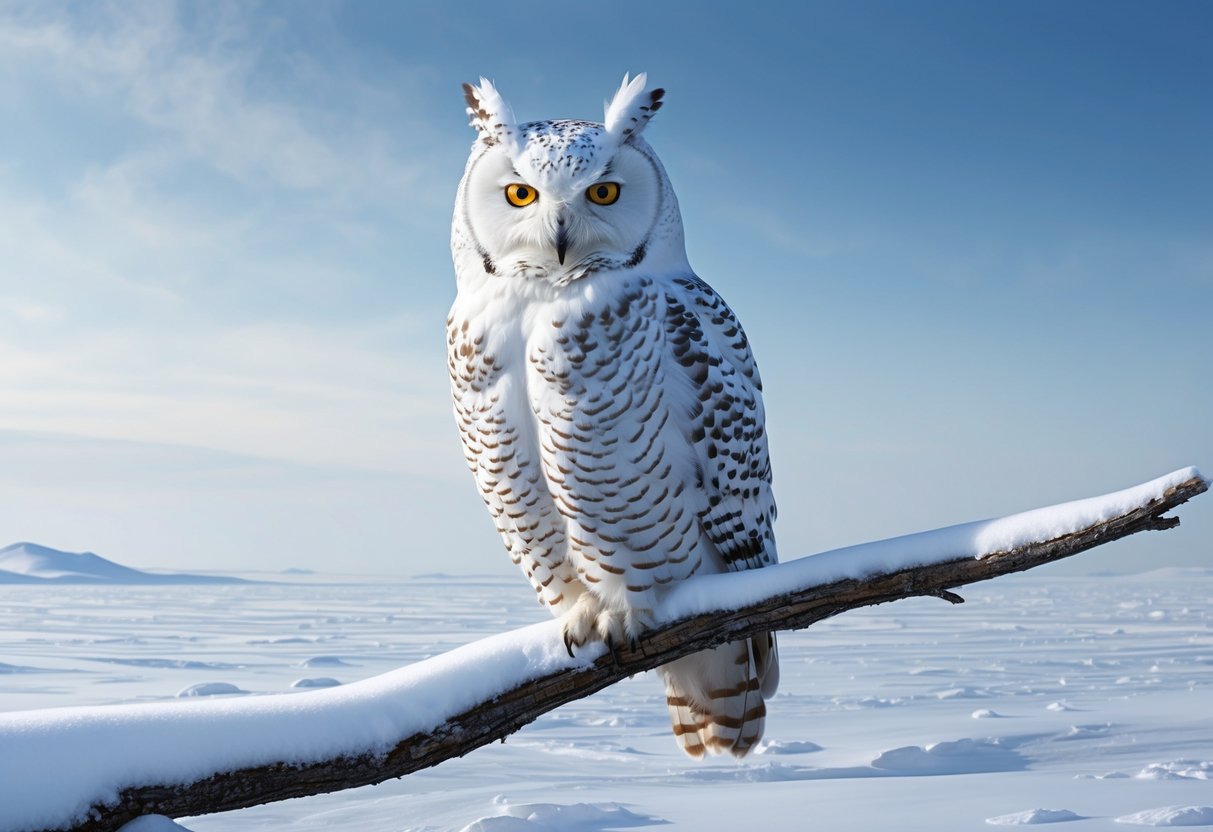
631, 108
490, 115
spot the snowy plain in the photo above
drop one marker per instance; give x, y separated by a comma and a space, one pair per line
1046, 699
1082, 700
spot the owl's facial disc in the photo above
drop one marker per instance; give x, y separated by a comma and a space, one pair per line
538, 216
572, 219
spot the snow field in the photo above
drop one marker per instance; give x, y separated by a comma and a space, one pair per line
1102, 704
1031, 682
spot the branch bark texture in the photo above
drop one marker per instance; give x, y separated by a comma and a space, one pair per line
509, 711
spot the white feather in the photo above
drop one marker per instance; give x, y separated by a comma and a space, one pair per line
494, 118
630, 110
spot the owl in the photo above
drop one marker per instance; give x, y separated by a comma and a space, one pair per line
608, 402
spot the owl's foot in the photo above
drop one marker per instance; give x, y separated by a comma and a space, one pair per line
589, 620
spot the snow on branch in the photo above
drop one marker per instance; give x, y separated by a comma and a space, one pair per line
95, 768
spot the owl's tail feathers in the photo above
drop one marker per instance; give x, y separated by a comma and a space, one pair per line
716, 697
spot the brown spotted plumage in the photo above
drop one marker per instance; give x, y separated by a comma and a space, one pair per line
609, 406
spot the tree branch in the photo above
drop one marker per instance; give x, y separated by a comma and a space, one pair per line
793, 605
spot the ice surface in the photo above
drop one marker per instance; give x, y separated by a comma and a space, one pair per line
14, 668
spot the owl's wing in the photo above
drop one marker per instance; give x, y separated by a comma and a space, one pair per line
726, 423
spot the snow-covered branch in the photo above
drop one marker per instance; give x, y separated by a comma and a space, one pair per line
94, 768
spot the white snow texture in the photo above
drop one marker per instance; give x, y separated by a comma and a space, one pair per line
57, 762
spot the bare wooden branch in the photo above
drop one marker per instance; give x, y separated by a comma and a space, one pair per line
515, 708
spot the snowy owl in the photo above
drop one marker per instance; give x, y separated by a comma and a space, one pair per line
608, 402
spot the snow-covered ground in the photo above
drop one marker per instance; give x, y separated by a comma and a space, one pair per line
1080, 701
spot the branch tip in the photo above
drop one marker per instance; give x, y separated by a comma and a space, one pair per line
1160, 524
950, 597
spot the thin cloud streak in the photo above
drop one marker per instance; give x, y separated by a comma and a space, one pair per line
199, 89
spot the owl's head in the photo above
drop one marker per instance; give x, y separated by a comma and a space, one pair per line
560, 200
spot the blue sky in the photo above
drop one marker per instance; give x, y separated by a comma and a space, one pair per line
971, 243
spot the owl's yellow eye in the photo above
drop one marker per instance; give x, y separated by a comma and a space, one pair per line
520, 195
604, 193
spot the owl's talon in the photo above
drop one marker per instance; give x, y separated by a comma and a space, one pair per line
616, 646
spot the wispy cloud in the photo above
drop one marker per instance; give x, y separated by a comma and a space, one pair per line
336, 396
205, 90
28, 310
195, 275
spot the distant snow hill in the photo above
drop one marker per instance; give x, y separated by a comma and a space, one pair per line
29, 563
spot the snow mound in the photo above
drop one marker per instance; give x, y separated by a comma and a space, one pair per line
965, 756
325, 661
317, 682
1177, 770
554, 817
786, 747
210, 689
1171, 816
1034, 816
31, 563
963, 693
986, 713
152, 823
1109, 775
955, 757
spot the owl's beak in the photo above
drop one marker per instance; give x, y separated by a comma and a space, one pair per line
562, 237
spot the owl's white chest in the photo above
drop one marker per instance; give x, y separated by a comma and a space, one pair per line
564, 407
